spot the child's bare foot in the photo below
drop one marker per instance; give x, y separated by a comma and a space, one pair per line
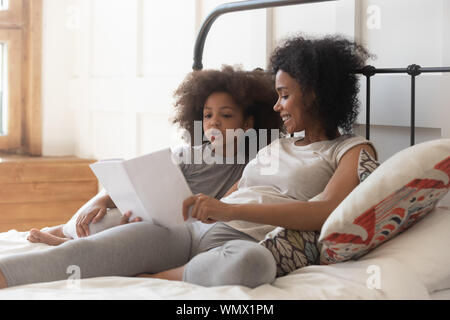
56, 231
38, 236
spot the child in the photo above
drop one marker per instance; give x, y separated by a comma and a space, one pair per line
222, 99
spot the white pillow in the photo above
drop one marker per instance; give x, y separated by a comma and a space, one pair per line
424, 249
397, 194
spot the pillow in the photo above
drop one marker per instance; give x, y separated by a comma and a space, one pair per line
294, 249
430, 258
395, 196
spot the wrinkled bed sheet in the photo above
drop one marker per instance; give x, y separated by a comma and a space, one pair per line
381, 278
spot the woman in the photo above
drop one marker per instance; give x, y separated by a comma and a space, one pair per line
317, 94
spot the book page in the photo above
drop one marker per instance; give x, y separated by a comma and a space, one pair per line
161, 186
113, 177
151, 186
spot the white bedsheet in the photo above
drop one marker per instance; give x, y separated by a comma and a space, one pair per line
441, 295
341, 281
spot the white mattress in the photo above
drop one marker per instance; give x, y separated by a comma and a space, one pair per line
341, 281
441, 295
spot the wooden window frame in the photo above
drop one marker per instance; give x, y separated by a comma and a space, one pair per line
21, 28
13, 40
13, 16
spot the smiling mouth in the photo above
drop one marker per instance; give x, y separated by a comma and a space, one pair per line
286, 117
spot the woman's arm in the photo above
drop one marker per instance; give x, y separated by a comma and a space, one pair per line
308, 216
233, 188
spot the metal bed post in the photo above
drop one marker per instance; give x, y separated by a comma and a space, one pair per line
413, 70
235, 7
368, 71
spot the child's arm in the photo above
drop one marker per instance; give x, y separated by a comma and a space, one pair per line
106, 201
93, 211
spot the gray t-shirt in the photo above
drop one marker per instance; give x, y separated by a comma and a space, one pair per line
213, 178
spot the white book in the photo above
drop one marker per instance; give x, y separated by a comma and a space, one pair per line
151, 186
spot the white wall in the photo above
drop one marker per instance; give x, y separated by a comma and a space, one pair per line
110, 66
58, 125
109, 71
235, 38
409, 31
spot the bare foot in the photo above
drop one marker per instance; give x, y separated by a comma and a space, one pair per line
56, 231
38, 236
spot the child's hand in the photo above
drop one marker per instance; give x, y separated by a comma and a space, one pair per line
126, 218
93, 214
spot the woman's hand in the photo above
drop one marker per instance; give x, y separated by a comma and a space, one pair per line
207, 209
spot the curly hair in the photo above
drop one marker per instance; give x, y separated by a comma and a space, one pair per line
253, 91
325, 67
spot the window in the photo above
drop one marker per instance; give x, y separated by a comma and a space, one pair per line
20, 52
3, 4
10, 87
11, 13
11, 93
3, 101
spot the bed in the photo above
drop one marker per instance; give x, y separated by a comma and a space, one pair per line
347, 280
343, 281
391, 271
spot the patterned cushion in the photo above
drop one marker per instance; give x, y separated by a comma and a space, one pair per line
366, 165
398, 194
294, 249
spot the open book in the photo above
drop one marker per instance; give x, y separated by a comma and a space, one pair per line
151, 186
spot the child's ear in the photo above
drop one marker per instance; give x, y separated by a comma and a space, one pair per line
249, 123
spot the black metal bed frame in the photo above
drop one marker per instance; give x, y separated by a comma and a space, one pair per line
368, 71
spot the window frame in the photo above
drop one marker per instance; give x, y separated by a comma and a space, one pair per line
21, 26
13, 40
12, 16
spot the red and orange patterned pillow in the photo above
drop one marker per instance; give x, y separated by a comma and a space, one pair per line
394, 197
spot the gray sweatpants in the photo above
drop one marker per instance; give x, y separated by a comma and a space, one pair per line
219, 256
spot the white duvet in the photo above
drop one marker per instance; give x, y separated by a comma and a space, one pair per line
380, 278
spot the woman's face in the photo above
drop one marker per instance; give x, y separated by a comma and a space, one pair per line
220, 113
291, 103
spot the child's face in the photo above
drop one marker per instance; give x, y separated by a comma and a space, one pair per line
220, 113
